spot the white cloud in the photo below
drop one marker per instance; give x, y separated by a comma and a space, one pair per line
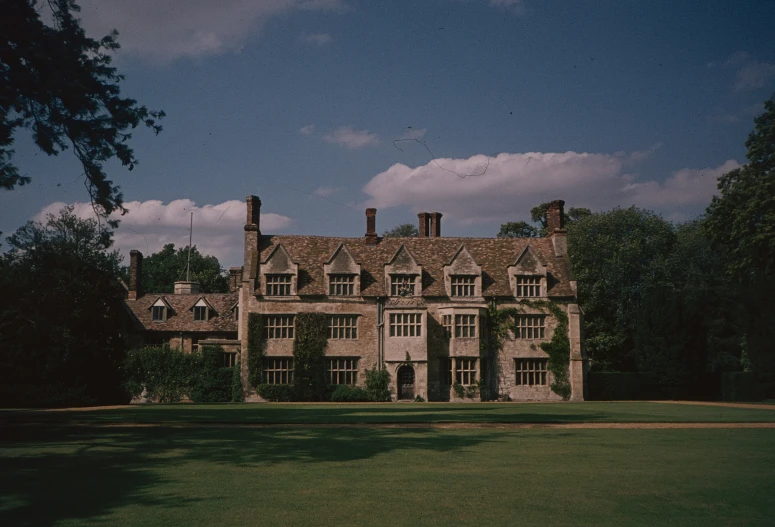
325, 192
307, 130
348, 137
316, 39
149, 225
511, 184
750, 74
166, 30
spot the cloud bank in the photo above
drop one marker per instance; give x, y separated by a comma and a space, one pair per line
150, 225
510, 184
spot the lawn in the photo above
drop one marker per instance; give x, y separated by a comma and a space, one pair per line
593, 412
55, 474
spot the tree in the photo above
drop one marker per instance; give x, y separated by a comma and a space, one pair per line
60, 322
59, 83
517, 229
161, 270
402, 231
741, 224
742, 219
572, 215
617, 256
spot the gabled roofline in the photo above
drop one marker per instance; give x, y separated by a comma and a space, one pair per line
395, 255
209, 305
278, 247
164, 300
459, 249
532, 251
342, 246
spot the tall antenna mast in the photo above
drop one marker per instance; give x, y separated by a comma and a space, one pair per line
190, 233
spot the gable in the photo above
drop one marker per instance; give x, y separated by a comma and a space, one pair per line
463, 263
279, 262
528, 262
342, 262
403, 262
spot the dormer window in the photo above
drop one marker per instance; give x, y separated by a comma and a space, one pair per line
463, 286
528, 286
402, 285
159, 313
201, 311
160, 310
278, 285
341, 285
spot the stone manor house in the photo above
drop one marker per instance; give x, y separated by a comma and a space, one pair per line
414, 306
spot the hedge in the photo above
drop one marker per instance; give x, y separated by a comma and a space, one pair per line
740, 386
622, 386
345, 393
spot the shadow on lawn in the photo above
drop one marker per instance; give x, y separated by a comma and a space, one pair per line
293, 414
51, 474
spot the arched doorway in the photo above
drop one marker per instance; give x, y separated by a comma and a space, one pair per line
405, 382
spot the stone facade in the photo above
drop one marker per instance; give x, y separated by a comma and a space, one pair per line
415, 307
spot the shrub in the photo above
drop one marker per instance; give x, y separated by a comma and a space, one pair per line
276, 393
377, 383
211, 383
165, 373
309, 357
256, 344
237, 395
419, 399
346, 393
460, 391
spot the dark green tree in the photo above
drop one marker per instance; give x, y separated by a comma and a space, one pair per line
59, 83
517, 229
161, 270
741, 224
401, 231
617, 256
60, 320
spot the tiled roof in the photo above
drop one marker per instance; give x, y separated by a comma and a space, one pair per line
182, 316
495, 255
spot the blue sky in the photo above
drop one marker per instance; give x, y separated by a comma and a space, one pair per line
478, 109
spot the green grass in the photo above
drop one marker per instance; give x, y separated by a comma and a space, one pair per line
402, 413
161, 476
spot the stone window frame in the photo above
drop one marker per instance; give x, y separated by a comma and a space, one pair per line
405, 267
408, 280
528, 370
466, 286
529, 282
449, 321
281, 284
342, 328
465, 370
282, 324
466, 326
341, 369
523, 326
276, 369
411, 322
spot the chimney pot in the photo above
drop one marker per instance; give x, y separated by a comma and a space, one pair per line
424, 225
253, 221
435, 226
371, 227
555, 216
135, 274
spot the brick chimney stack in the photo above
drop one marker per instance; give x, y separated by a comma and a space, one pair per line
555, 216
435, 228
235, 278
371, 227
254, 213
135, 274
424, 225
